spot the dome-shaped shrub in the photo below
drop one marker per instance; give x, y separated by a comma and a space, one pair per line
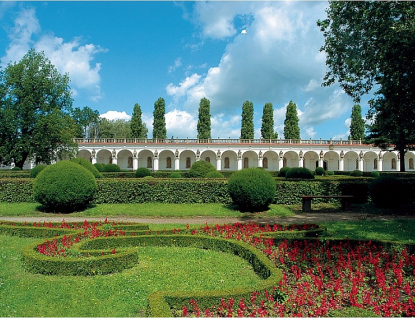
200, 169
99, 166
252, 189
387, 191
215, 175
320, 171
35, 171
299, 173
88, 165
142, 172
175, 175
112, 167
374, 174
64, 187
283, 171
16, 169
356, 173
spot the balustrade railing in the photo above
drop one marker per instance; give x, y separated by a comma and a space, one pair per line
215, 141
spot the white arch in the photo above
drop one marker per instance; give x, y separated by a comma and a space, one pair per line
143, 156
163, 161
104, 156
125, 159
311, 160
249, 159
371, 161
86, 154
350, 161
331, 159
291, 159
273, 160
233, 160
183, 159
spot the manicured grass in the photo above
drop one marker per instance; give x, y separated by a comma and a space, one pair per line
124, 294
145, 210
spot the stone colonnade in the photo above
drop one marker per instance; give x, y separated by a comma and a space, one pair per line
236, 156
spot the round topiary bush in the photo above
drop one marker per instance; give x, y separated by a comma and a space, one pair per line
88, 165
99, 166
283, 171
64, 187
214, 175
112, 167
175, 175
35, 171
330, 173
387, 191
252, 189
17, 169
374, 174
320, 171
200, 169
356, 173
299, 173
142, 172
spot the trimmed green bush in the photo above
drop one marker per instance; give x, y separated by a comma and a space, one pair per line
252, 189
142, 172
112, 167
387, 191
16, 169
200, 169
99, 166
214, 175
330, 173
35, 171
319, 171
356, 173
283, 171
374, 174
175, 175
299, 173
88, 165
64, 187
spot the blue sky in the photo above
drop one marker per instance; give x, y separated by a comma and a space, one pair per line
121, 53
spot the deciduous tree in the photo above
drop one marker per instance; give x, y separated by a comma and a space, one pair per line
203, 123
247, 124
267, 128
371, 45
291, 128
35, 108
159, 120
84, 118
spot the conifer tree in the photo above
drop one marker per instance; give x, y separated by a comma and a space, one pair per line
247, 124
357, 124
267, 128
203, 124
138, 128
159, 121
291, 128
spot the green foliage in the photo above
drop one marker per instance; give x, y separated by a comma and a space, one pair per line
84, 118
16, 190
64, 187
283, 171
353, 312
320, 171
330, 173
112, 167
35, 171
117, 128
99, 166
16, 169
387, 191
137, 126
200, 169
214, 175
142, 172
175, 175
203, 123
357, 124
252, 189
299, 173
291, 128
267, 128
356, 173
34, 112
374, 174
247, 124
159, 121
88, 165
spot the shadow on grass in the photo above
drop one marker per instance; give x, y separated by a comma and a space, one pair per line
43, 209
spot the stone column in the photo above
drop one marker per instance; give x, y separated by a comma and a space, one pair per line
301, 159
341, 161
156, 161
198, 155
321, 159
361, 161
260, 163
281, 160
114, 157
176, 160
93, 157
135, 160
219, 161
380, 161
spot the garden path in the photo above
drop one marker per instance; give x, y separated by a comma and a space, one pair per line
301, 217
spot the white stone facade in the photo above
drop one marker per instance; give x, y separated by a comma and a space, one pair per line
235, 154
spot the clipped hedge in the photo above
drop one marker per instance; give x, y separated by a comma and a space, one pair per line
16, 190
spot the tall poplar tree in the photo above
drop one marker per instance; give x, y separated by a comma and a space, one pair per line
357, 124
203, 124
267, 128
247, 124
159, 121
138, 128
291, 128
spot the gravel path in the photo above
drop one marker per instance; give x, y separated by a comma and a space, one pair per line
310, 217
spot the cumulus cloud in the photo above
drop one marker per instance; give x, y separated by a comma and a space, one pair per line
114, 115
183, 87
180, 123
71, 57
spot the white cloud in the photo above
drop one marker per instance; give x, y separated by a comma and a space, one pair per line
183, 87
177, 63
180, 124
114, 115
68, 57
